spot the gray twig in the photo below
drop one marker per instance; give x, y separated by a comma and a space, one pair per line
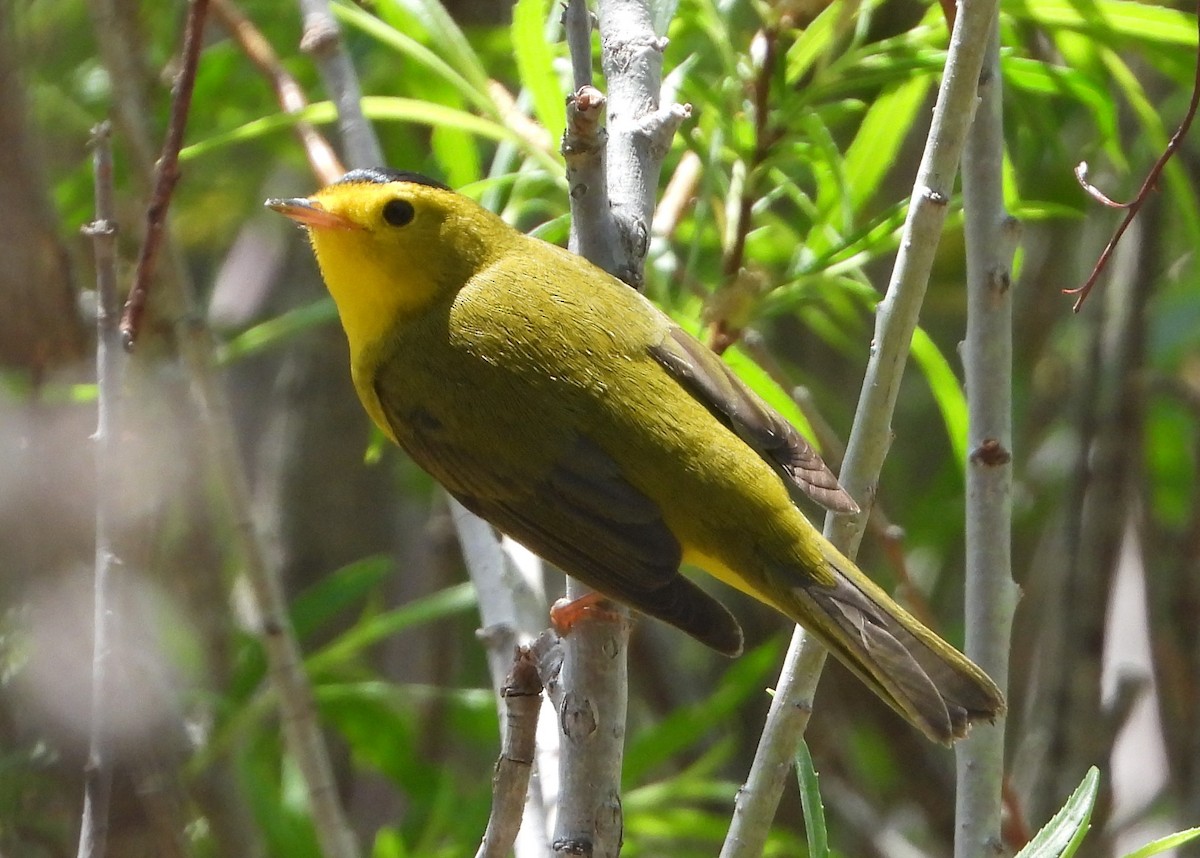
322, 40
98, 773
522, 695
991, 597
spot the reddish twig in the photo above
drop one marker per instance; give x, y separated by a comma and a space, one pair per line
324, 161
166, 174
1135, 205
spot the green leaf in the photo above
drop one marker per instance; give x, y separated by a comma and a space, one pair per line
277, 330
409, 47
947, 392
1115, 22
437, 606
535, 62
879, 138
814, 42
337, 592
810, 801
688, 726
1162, 844
1062, 835
443, 32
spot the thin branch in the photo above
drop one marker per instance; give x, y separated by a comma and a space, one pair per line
166, 173
98, 773
322, 40
512, 608
1135, 205
595, 671
991, 595
321, 158
522, 694
871, 434
584, 149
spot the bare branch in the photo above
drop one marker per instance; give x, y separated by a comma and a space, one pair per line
98, 773
166, 173
1135, 205
991, 595
322, 40
522, 694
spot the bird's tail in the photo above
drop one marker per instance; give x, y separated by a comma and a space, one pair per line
934, 686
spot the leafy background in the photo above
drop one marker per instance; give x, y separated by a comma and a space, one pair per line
1106, 660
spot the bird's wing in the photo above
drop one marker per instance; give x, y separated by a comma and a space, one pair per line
710, 380
582, 515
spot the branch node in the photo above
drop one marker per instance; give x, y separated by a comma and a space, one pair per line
321, 35
935, 197
991, 453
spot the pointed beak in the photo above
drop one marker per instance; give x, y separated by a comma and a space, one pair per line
310, 213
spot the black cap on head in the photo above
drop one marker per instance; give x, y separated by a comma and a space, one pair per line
385, 175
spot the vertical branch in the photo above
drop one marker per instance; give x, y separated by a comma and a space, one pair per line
870, 435
512, 608
594, 678
521, 692
613, 176
987, 356
639, 129
585, 149
98, 772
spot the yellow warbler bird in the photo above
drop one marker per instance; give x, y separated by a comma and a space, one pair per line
560, 405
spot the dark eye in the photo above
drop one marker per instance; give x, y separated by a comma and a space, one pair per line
398, 212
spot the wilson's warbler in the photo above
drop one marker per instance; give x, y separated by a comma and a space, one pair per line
560, 405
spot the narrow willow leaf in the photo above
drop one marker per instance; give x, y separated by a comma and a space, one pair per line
444, 33
947, 392
1115, 22
810, 802
1062, 835
407, 46
535, 62
880, 136
813, 43
277, 330
1162, 844
437, 606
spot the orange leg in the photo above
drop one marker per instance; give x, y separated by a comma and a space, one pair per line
565, 613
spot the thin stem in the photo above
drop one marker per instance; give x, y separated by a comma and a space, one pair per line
93, 833
166, 173
322, 40
1151, 182
522, 695
871, 433
987, 357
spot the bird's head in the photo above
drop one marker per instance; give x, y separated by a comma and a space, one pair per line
392, 244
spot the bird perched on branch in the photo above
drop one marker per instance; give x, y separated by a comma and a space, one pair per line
563, 407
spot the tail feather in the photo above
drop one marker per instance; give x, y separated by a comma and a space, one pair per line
922, 677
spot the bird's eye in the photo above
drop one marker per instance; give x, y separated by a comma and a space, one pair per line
398, 212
